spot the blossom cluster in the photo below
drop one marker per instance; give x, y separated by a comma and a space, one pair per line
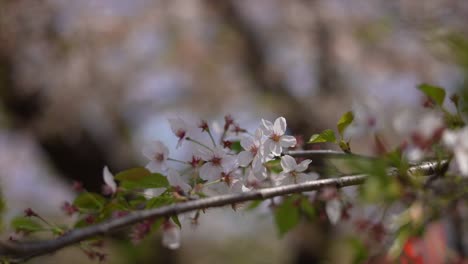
217, 166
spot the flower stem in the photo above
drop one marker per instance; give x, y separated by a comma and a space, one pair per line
179, 161
198, 143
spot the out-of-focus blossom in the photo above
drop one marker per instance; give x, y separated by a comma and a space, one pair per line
109, 179
276, 139
170, 235
157, 153
458, 142
179, 127
293, 172
334, 209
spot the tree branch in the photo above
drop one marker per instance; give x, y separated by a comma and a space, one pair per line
21, 251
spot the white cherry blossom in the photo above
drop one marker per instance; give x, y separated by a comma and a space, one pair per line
176, 181
109, 179
179, 127
458, 142
157, 153
252, 153
170, 235
216, 161
293, 172
276, 139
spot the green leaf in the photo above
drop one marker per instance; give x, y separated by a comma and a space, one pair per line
144, 181
326, 136
236, 147
87, 201
308, 209
175, 218
359, 250
134, 174
162, 200
434, 92
344, 122
26, 224
274, 166
253, 205
286, 216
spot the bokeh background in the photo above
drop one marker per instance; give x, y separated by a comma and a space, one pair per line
86, 83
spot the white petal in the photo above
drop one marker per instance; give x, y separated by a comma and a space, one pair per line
267, 127
303, 165
229, 163
148, 152
461, 156
288, 163
333, 209
244, 158
171, 237
275, 148
280, 126
155, 166
258, 134
176, 181
449, 138
287, 141
204, 153
109, 179
154, 192
247, 142
209, 172
306, 177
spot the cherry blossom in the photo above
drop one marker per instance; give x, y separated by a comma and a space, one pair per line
216, 161
109, 179
252, 152
458, 142
179, 127
277, 140
175, 180
170, 235
157, 153
293, 172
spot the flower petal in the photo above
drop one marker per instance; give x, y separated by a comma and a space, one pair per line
333, 209
109, 179
287, 141
209, 172
171, 236
244, 158
279, 128
247, 142
303, 165
267, 127
288, 163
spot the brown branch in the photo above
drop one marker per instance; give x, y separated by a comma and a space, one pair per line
21, 251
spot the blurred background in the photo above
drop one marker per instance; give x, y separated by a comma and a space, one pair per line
86, 83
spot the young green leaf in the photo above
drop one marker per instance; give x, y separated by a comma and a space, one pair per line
434, 92
134, 174
286, 216
344, 122
326, 136
26, 224
175, 218
89, 201
155, 180
162, 200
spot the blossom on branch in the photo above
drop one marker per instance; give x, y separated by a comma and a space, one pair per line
293, 172
216, 161
157, 153
179, 127
276, 140
458, 142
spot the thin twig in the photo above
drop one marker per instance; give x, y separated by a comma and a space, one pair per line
21, 251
